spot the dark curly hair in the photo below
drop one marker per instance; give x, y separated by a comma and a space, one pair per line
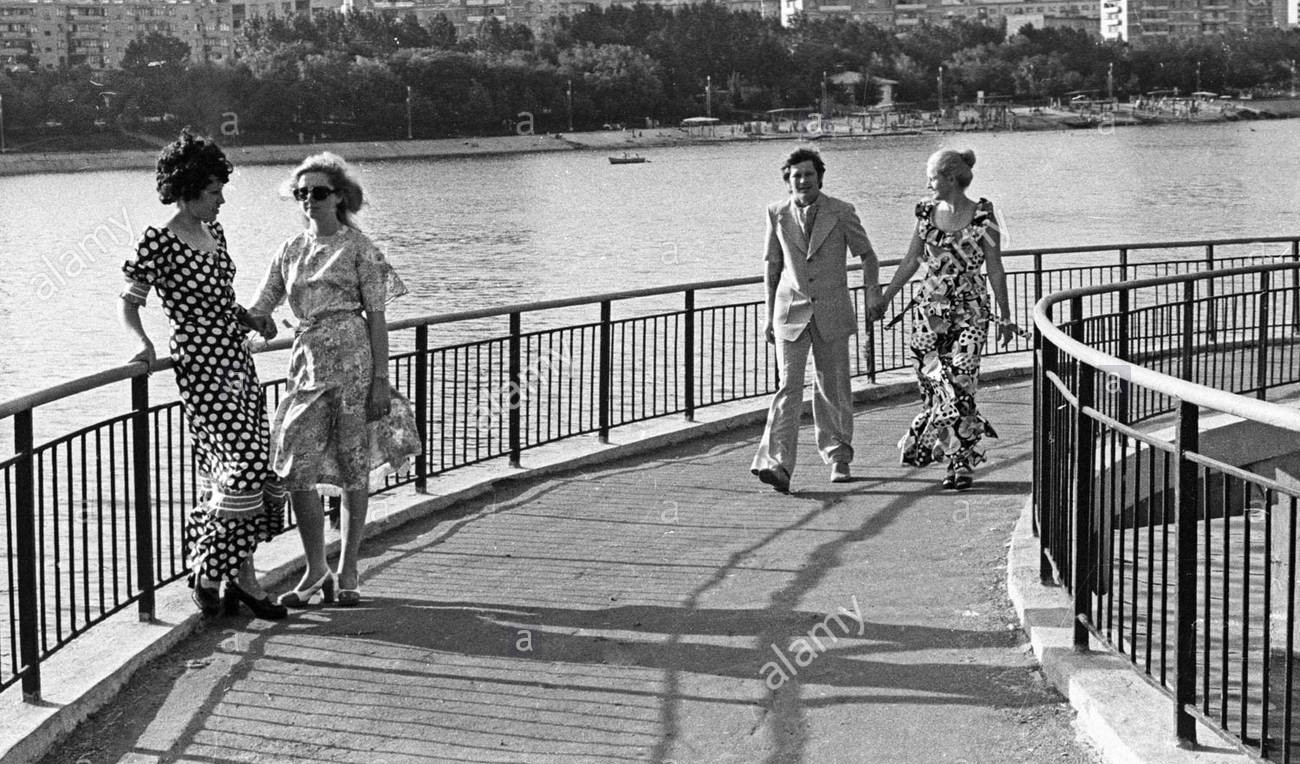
799, 156
188, 165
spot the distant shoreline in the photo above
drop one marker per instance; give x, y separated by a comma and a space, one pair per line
615, 142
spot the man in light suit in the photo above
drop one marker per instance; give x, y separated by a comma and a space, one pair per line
809, 237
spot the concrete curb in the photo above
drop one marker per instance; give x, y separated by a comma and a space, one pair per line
85, 675
1126, 718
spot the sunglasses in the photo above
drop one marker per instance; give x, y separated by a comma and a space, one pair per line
318, 193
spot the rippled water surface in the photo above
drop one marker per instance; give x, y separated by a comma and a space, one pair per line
484, 231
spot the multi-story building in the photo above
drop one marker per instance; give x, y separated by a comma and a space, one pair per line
96, 32
1135, 20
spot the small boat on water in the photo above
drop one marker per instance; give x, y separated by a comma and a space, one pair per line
628, 159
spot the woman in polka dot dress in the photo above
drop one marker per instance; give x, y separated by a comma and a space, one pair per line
954, 237
339, 416
186, 263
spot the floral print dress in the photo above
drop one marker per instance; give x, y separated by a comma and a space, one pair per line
320, 437
948, 329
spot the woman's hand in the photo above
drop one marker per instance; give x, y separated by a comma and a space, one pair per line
1008, 332
379, 403
146, 353
263, 324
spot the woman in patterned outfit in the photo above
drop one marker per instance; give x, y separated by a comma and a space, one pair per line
950, 315
186, 263
337, 282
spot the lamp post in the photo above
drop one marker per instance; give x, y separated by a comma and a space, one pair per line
568, 93
1198, 76
708, 95
408, 112
1292, 92
941, 91
1110, 81
822, 106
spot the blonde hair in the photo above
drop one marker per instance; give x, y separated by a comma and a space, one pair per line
341, 178
954, 165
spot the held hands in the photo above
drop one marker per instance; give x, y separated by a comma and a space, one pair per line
379, 403
875, 306
769, 333
263, 324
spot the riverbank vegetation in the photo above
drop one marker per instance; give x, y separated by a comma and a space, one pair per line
363, 76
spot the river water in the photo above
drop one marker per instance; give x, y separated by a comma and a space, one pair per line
483, 231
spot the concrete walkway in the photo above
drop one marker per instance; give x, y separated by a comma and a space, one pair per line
664, 608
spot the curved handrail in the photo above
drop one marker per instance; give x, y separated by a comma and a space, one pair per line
127, 371
1191, 392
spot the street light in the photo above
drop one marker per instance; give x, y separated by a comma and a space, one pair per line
1110, 81
408, 112
708, 95
1198, 76
941, 91
569, 97
1292, 92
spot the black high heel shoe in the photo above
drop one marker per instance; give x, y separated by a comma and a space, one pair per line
263, 608
208, 599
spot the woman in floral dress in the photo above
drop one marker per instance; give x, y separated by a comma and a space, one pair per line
954, 237
339, 417
240, 500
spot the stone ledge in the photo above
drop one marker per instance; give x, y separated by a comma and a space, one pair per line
1126, 718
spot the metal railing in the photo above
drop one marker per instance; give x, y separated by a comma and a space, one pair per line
1177, 545
92, 518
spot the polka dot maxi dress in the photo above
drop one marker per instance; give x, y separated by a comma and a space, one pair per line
948, 329
241, 502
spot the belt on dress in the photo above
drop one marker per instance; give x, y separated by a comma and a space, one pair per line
322, 318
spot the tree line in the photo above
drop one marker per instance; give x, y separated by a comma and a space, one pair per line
367, 76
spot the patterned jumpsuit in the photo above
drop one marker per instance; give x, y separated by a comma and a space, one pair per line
241, 502
948, 329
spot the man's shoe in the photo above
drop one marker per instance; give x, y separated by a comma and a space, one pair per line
776, 477
840, 472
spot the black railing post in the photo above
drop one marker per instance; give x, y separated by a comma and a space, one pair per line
1211, 321
1261, 338
1186, 502
29, 618
1295, 285
1122, 352
605, 396
1044, 463
422, 407
140, 475
518, 396
688, 361
1123, 264
1038, 276
1187, 366
1081, 566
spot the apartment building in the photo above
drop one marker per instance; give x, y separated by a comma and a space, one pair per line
96, 33
1136, 20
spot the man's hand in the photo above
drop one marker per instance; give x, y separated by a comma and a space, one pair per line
769, 334
876, 305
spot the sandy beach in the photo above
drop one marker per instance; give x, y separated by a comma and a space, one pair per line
614, 142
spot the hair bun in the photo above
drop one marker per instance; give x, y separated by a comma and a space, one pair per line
969, 157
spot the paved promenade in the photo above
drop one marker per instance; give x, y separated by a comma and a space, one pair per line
666, 607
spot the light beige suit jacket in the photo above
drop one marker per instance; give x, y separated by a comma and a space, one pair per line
814, 280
